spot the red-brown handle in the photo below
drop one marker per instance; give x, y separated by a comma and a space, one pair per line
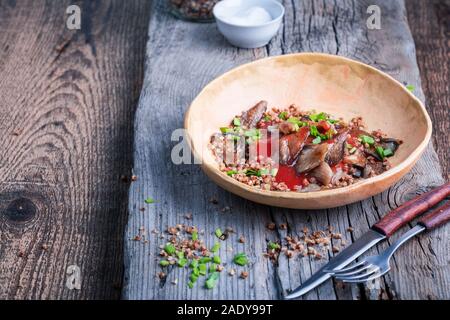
437, 218
411, 209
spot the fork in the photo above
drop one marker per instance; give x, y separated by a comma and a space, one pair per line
375, 266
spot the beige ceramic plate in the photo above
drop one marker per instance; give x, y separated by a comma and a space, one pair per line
339, 86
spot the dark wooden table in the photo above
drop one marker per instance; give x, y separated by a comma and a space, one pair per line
67, 102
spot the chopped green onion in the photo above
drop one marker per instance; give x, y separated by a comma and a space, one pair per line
179, 254
169, 248
205, 260
317, 140
367, 139
182, 262
164, 263
410, 87
212, 267
253, 133
149, 200
215, 248
388, 153
218, 233
193, 264
237, 122
194, 235
202, 269
380, 152
190, 284
318, 117
283, 115
193, 277
332, 121
267, 118
273, 245
195, 271
252, 172
231, 172
212, 280
226, 130
217, 260
314, 131
240, 259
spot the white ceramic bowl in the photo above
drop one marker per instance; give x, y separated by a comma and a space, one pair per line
244, 35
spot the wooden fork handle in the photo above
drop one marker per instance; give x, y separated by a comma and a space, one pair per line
436, 218
410, 210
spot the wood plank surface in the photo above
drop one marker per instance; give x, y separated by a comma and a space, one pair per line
430, 25
67, 101
181, 58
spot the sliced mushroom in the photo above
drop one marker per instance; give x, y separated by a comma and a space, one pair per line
390, 143
356, 159
322, 173
291, 145
310, 157
252, 116
336, 151
286, 127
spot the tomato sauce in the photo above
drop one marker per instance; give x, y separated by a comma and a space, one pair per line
289, 176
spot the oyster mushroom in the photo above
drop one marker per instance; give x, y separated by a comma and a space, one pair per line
292, 144
253, 115
310, 157
322, 173
356, 159
336, 151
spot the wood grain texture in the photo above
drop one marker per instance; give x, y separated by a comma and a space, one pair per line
67, 101
181, 58
430, 25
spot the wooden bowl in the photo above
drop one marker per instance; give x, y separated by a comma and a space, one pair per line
336, 85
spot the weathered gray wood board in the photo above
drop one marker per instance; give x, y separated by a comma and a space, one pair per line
181, 58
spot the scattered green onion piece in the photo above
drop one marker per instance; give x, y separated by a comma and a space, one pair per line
388, 153
273, 245
182, 262
149, 200
194, 235
190, 284
240, 259
237, 122
410, 87
215, 248
231, 172
169, 248
179, 254
202, 269
204, 260
212, 280
164, 263
193, 264
195, 272
318, 117
217, 260
226, 130
317, 140
314, 131
367, 139
380, 152
218, 233
267, 118
193, 277
283, 115
212, 267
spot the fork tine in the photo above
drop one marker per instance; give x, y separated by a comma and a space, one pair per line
360, 277
355, 271
336, 272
